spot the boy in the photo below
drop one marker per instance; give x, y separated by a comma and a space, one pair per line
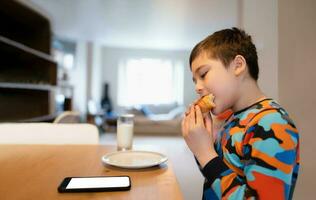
256, 152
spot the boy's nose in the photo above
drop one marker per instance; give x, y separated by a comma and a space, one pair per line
199, 89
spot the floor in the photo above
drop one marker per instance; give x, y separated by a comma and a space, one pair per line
183, 163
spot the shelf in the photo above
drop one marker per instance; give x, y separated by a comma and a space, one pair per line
24, 25
26, 86
45, 118
28, 74
22, 64
21, 48
19, 104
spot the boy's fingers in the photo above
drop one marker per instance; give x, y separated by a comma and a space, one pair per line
208, 118
184, 126
199, 116
191, 118
208, 122
187, 112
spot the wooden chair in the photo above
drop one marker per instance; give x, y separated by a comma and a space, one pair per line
68, 117
48, 133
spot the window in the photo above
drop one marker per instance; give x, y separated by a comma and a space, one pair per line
150, 81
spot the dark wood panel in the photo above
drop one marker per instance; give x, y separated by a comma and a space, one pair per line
20, 64
25, 26
28, 74
21, 104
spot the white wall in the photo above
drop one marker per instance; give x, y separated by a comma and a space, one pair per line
260, 19
260, 23
93, 65
257, 17
78, 78
111, 58
297, 75
96, 81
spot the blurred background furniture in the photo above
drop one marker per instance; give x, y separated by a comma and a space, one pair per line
68, 117
48, 133
163, 119
95, 114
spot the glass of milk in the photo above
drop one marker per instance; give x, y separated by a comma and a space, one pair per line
125, 131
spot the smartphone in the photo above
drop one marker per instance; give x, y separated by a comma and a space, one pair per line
95, 184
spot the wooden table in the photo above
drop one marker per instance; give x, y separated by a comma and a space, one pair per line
35, 172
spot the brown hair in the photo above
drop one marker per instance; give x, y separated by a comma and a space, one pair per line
226, 45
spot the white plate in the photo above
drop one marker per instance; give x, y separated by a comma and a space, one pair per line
134, 159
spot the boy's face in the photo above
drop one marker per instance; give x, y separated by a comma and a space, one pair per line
211, 76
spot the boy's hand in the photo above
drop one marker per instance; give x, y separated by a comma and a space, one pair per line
188, 110
197, 132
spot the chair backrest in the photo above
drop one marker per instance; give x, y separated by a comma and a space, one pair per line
68, 117
48, 133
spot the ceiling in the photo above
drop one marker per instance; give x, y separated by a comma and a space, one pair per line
150, 24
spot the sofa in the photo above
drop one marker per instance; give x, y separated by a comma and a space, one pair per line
162, 119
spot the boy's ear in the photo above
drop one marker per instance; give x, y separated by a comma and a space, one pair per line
240, 65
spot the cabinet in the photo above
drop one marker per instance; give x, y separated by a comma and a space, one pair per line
28, 74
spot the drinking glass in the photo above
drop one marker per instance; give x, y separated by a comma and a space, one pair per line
125, 132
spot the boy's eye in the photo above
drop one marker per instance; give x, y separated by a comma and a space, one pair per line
203, 75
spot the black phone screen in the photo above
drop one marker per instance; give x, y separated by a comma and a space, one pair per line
95, 184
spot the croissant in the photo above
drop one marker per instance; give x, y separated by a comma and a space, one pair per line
206, 103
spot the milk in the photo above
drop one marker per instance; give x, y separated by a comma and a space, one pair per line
125, 136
